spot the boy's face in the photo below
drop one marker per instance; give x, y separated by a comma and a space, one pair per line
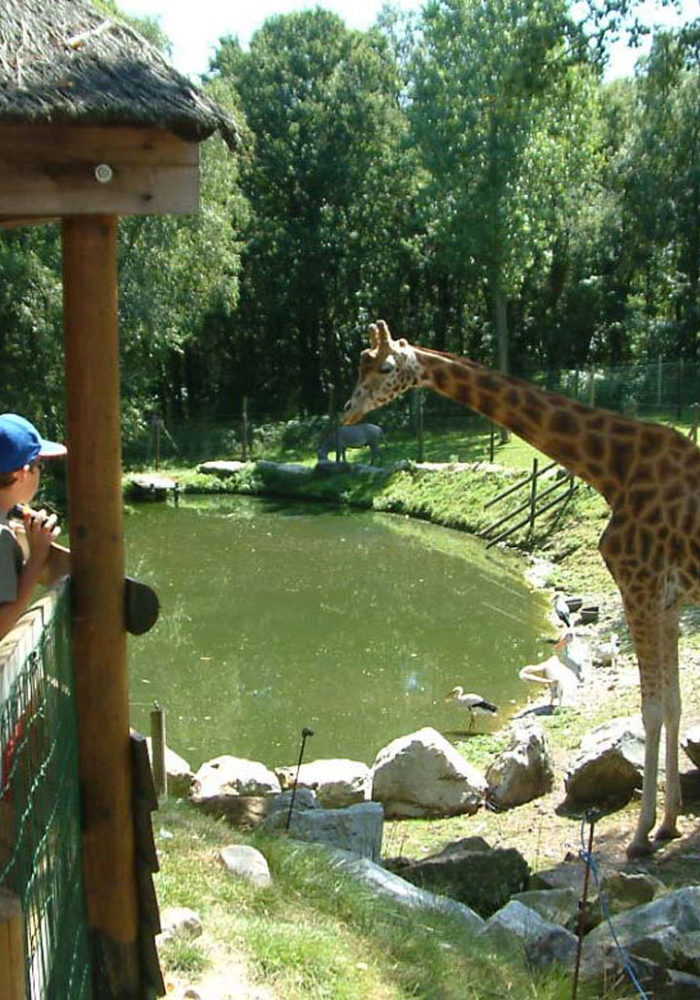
26, 482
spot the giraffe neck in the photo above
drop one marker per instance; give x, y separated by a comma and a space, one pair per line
599, 446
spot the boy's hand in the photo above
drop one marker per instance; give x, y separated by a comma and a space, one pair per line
41, 530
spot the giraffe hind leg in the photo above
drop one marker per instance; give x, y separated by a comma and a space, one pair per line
672, 713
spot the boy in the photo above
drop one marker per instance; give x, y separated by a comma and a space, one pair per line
21, 451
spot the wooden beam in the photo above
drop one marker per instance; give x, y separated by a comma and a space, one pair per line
12, 965
99, 637
55, 170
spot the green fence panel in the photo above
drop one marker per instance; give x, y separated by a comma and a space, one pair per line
40, 827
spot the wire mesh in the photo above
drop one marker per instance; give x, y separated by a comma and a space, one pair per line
40, 830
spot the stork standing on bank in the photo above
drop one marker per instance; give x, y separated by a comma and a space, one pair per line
474, 703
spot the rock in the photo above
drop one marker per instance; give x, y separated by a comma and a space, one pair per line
337, 782
609, 766
661, 935
690, 742
179, 772
249, 863
519, 926
176, 921
392, 886
625, 890
480, 877
522, 772
220, 785
556, 906
423, 775
357, 829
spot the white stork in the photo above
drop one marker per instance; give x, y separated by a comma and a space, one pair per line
474, 703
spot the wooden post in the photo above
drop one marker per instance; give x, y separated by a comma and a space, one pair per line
693, 435
160, 774
492, 441
245, 429
12, 959
99, 635
419, 425
533, 494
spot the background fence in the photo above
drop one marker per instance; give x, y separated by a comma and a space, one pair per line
659, 390
40, 831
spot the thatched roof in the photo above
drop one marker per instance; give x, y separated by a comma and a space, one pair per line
64, 61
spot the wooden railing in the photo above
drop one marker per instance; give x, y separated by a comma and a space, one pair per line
559, 491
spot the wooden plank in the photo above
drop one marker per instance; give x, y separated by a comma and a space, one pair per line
52, 170
12, 982
97, 559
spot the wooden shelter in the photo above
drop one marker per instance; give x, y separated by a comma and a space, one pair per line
95, 124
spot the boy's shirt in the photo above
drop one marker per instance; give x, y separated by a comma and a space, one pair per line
11, 561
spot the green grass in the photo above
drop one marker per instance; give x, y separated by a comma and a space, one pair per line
317, 934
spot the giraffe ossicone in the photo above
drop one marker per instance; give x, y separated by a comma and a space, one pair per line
650, 476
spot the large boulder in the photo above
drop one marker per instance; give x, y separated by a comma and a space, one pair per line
337, 782
660, 936
423, 775
523, 929
357, 828
609, 765
393, 887
470, 871
523, 771
234, 787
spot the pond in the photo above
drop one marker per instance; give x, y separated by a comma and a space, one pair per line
281, 616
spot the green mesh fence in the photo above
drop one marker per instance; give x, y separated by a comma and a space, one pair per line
40, 838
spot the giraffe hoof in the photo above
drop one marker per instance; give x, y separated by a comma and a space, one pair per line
667, 832
639, 849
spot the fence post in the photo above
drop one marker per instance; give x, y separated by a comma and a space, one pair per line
245, 428
591, 386
12, 960
492, 442
160, 773
694, 407
533, 495
419, 424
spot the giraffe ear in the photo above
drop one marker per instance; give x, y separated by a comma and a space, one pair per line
402, 342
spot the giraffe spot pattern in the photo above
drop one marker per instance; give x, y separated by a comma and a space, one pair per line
563, 422
621, 455
593, 445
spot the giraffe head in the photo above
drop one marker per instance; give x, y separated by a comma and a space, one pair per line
387, 369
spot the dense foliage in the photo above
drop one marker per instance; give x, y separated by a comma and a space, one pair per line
466, 173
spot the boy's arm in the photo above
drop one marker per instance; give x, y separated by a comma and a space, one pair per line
39, 532
10, 611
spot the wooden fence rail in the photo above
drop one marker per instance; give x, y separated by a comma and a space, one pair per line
563, 488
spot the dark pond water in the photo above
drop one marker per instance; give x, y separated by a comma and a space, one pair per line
276, 617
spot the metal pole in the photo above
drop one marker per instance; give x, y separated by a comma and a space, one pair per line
160, 773
533, 495
304, 733
582, 911
245, 428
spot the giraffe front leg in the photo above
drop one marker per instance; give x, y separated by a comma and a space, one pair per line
652, 719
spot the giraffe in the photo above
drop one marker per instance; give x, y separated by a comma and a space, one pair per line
650, 477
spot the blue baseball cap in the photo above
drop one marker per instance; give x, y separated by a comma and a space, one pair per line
21, 443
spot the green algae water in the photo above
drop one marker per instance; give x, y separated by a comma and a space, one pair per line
356, 625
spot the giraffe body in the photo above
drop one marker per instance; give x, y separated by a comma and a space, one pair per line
650, 477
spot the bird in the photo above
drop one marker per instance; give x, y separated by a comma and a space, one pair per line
561, 609
574, 653
561, 679
607, 652
474, 703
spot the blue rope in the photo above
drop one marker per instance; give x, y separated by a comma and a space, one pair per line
624, 957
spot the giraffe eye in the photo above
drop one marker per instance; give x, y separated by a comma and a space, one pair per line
387, 366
